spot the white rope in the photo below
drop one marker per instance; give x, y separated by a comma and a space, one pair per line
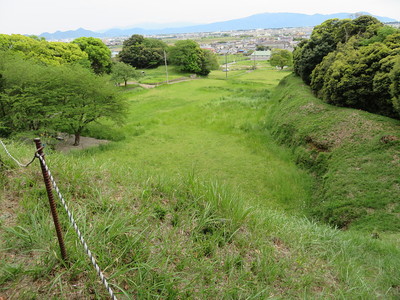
81, 239
14, 159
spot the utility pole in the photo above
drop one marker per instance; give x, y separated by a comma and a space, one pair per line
226, 64
166, 66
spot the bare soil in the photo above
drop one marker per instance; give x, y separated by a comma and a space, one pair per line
86, 142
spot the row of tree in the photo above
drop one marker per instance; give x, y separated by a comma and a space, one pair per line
353, 63
54, 86
140, 52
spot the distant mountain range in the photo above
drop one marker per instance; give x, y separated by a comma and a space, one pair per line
265, 20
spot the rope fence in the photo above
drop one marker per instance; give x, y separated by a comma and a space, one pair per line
40, 156
14, 159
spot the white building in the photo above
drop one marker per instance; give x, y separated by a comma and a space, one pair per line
261, 55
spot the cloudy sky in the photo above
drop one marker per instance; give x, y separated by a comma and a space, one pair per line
38, 16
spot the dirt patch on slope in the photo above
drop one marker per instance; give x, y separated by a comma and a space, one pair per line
66, 144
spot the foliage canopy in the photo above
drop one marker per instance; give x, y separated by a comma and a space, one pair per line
98, 53
325, 38
39, 97
140, 52
350, 62
123, 72
281, 58
189, 57
50, 53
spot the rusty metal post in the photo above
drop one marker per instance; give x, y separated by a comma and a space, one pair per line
53, 209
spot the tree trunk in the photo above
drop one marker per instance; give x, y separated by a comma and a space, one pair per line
77, 138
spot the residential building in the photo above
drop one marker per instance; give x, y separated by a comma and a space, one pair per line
261, 55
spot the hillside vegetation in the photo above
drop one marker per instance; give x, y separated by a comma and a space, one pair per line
353, 63
354, 156
189, 203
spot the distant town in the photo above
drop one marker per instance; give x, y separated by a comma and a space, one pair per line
233, 41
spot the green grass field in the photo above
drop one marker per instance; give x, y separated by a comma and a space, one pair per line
215, 132
238, 66
193, 199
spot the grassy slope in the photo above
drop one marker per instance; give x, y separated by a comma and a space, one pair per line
181, 209
354, 154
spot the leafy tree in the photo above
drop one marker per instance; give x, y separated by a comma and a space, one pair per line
98, 53
24, 104
325, 39
140, 52
139, 56
320, 74
50, 53
17, 42
134, 40
123, 72
83, 98
189, 57
281, 58
393, 40
262, 48
155, 44
356, 77
366, 26
69, 97
395, 86
383, 82
307, 55
35, 37
362, 70
68, 53
381, 35
209, 62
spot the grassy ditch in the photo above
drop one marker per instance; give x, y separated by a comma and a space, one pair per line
195, 202
183, 238
354, 156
